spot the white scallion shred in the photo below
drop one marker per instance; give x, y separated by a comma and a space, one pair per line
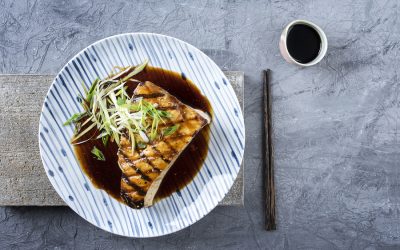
114, 113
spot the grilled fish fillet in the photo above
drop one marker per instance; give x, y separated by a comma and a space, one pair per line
144, 169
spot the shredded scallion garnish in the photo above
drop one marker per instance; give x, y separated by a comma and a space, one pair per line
98, 154
104, 139
109, 108
73, 119
170, 130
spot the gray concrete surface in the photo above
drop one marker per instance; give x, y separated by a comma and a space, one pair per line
336, 135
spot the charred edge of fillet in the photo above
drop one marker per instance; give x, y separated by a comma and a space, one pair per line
136, 187
133, 204
150, 96
143, 175
167, 107
132, 164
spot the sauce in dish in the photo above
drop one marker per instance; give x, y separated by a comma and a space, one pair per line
106, 174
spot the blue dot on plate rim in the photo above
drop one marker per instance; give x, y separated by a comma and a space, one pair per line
209, 172
216, 85
183, 76
191, 55
79, 99
234, 156
51, 173
237, 135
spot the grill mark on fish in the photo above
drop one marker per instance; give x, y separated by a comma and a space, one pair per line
129, 161
179, 121
179, 109
133, 185
124, 155
169, 124
130, 202
150, 96
142, 175
160, 154
138, 171
148, 161
177, 135
170, 147
167, 107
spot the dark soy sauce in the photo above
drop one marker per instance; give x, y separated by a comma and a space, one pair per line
106, 175
303, 43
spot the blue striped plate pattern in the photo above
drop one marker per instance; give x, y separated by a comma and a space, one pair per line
181, 209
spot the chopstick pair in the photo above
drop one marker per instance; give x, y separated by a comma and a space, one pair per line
268, 155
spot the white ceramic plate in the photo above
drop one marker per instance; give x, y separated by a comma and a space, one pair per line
181, 209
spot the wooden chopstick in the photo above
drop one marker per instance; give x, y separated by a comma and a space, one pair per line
268, 156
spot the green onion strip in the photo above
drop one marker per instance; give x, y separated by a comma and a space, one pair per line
110, 110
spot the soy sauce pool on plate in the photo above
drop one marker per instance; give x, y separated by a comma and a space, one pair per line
303, 43
106, 175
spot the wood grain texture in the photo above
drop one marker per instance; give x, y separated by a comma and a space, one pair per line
235, 195
23, 181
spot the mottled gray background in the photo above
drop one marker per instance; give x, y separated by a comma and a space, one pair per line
336, 124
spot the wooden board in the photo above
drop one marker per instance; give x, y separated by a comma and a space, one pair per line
23, 181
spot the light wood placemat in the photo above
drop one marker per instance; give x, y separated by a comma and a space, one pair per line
23, 181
